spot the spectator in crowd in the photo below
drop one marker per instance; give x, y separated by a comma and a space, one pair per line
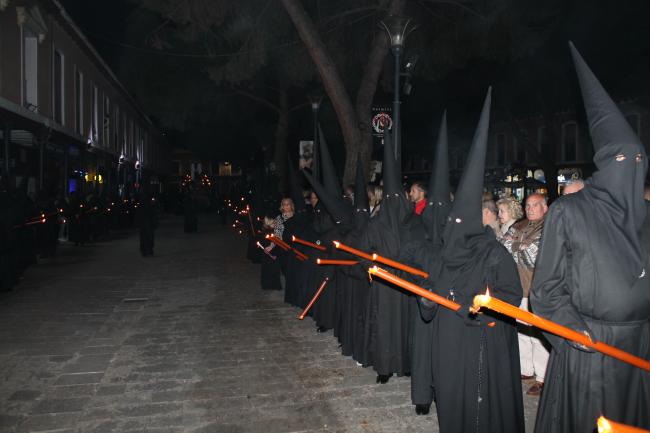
572, 186
490, 216
509, 213
375, 193
418, 195
523, 244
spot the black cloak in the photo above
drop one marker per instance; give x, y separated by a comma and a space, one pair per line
591, 275
476, 357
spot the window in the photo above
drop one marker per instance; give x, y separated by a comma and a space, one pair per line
106, 126
30, 69
58, 87
125, 137
570, 141
79, 101
501, 149
94, 114
116, 131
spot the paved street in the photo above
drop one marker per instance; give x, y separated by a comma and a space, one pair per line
102, 340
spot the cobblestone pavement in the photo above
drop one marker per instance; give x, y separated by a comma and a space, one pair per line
102, 340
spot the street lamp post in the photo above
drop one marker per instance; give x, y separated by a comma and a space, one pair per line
315, 99
397, 28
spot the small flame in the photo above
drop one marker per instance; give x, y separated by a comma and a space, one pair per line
603, 425
293, 239
487, 291
374, 256
43, 220
318, 261
336, 244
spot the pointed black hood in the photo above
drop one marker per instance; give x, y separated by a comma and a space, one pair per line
295, 189
335, 206
330, 179
465, 218
394, 205
439, 202
616, 189
361, 205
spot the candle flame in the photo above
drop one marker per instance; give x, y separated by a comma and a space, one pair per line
374, 257
318, 261
487, 291
293, 238
603, 425
336, 243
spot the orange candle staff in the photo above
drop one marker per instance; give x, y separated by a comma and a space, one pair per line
336, 262
398, 265
297, 240
415, 289
278, 242
608, 426
499, 306
313, 300
351, 250
282, 244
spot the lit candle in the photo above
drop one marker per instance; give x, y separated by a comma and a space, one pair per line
351, 250
259, 245
278, 242
308, 244
415, 289
398, 265
499, 306
608, 426
336, 262
314, 299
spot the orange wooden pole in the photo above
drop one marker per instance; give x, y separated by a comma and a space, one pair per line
351, 250
336, 262
398, 265
415, 289
297, 240
314, 299
499, 306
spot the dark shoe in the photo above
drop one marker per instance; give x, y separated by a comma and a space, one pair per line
536, 389
383, 378
422, 409
321, 329
524, 377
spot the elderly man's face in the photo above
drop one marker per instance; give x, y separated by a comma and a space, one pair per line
536, 207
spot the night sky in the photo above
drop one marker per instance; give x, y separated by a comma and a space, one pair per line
521, 50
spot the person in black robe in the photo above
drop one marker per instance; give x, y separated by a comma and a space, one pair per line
476, 356
270, 263
294, 227
592, 276
352, 281
332, 223
146, 220
387, 320
189, 212
422, 256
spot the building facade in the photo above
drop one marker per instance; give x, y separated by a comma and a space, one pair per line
67, 123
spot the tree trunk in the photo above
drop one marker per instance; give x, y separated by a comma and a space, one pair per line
281, 134
330, 77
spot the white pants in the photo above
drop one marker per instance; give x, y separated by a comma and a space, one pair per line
533, 354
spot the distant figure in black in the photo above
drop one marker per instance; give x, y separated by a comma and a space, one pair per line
189, 210
146, 220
